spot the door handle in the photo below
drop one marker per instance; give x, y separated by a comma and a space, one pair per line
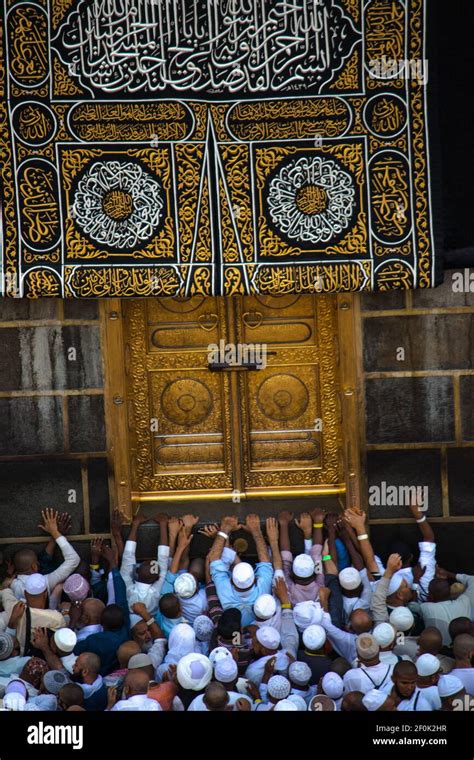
208, 321
252, 319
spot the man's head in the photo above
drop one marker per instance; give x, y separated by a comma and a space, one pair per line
112, 618
146, 572
142, 662
452, 692
438, 590
141, 634
404, 679
340, 666
302, 571
230, 624
350, 582
376, 700
385, 636
402, 593
460, 625
86, 668
361, 621
33, 671
314, 638
91, 612
170, 606
9, 646
463, 649
136, 682
36, 591
25, 562
216, 697
125, 651
352, 702
367, 649
63, 642
70, 695
430, 641
266, 641
428, 668
243, 577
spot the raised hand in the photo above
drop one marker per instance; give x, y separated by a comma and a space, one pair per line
39, 639
140, 518
318, 514
118, 519
189, 521
209, 530
184, 539
394, 563
271, 527
305, 524
64, 523
50, 522
96, 550
281, 590
110, 554
229, 524
252, 523
161, 518
285, 517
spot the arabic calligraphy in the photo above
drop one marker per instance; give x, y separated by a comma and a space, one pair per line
212, 46
28, 31
34, 123
389, 189
311, 199
40, 225
118, 204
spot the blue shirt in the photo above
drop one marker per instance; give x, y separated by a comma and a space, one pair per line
229, 597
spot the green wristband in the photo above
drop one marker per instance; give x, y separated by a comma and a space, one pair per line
328, 556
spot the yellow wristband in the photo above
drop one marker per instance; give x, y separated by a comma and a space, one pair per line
94, 567
318, 525
286, 606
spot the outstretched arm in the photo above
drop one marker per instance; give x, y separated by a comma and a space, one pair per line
284, 519
252, 525
358, 522
272, 535
71, 557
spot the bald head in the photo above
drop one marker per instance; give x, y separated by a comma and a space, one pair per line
136, 682
404, 669
216, 696
463, 646
89, 661
459, 625
92, 610
361, 621
352, 702
25, 561
430, 641
439, 590
126, 651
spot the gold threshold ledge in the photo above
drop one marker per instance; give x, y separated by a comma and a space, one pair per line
148, 496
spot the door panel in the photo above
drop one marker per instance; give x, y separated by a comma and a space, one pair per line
195, 432
290, 408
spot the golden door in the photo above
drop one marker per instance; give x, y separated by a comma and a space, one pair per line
195, 427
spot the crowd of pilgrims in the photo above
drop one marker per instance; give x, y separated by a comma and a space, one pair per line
329, 629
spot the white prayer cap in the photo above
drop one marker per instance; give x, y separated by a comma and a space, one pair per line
139, 660
185, 585
384, 634
299, 673
374, 699
203, 627
303, 566
65, 640
279, 687
427, 665
218, 653
402, 618
396, 581
282, 663
226, 670
307, 613
349, 578
314, 637
301, 705
134, 619
285, 704
14, 701
35, 584
268, 637
333, 685
243, 575
182, 641
449, 685
367, 647
265, 607
194, 671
